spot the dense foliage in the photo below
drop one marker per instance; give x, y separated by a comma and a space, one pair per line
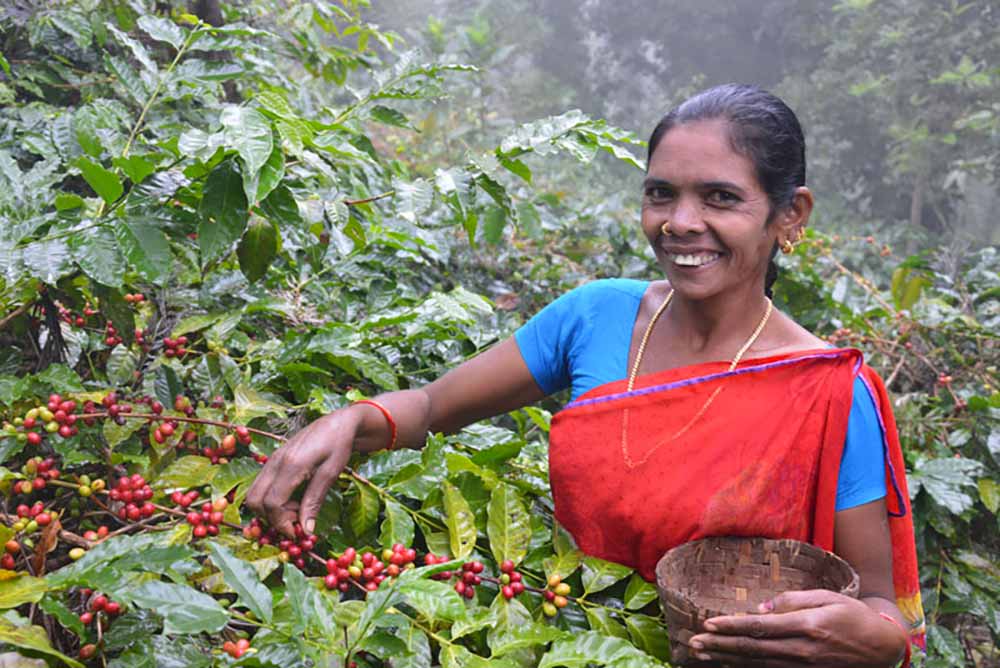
214, 233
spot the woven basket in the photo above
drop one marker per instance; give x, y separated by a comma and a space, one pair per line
732, 576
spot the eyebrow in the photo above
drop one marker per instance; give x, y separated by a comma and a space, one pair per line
652, 182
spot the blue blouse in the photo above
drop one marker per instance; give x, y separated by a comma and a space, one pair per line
582, 340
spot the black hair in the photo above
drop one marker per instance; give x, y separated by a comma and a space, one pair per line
762, 128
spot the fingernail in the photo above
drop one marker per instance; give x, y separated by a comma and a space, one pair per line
697, 644
711, 627
703, 656
766, 606
310, 525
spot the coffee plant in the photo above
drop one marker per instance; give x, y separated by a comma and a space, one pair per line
211, 234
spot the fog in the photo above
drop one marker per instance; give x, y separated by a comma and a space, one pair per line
898, 98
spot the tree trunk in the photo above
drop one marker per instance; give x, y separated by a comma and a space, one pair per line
210, 11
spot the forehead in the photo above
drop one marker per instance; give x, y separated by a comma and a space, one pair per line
700, 151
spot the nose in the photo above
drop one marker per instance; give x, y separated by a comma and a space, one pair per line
688, 216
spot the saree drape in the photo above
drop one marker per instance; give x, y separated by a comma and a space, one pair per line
702, 451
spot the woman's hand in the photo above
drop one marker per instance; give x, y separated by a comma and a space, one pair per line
815, 628
319, 453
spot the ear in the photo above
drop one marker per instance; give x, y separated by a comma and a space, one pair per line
792, 221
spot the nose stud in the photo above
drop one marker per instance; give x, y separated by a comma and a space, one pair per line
665, 228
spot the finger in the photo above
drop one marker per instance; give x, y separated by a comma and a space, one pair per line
802, 600
783, 625
315, 494
278, 498
262, 483
768, 651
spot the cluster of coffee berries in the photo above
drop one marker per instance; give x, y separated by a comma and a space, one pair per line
510, 580
184, 499
134, 493
163, 430
99, 604
69, 317
136, 298
944, 379
88, 486
469, 578
430, 559
10, 549
175, 347
206, 523
31, 517
236, 649
293, 551
555, 596
183, 405
226, 449
58, 416
40, 470
94, 536
111, 337
366, 569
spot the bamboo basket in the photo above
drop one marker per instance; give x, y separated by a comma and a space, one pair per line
732, 576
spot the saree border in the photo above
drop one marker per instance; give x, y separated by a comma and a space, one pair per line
579, 403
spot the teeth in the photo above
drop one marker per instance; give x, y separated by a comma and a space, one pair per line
694, 260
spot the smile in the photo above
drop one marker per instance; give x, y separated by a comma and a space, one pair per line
694, 260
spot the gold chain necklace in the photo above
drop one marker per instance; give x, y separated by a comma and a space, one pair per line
629, 462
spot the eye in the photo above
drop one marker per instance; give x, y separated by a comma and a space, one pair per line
722, 198
659, 194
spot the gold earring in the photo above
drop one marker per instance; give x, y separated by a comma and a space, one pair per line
665, 228
787, 247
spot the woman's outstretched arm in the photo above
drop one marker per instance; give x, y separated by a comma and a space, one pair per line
494, 382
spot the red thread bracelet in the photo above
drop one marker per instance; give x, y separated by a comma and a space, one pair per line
908, 655
388, 418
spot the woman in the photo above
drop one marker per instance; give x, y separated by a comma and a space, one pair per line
663, 443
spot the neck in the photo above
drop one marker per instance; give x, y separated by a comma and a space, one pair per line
719, 323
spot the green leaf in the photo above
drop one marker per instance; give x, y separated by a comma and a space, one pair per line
599, 574
434, 600
135, 168
185, 473
493, 225
162, 29
47, 260
259, 185
21, 589
104, 182
121, 364
397, 527
242, 578
461, 523
601, 620
257, 248
184, 610
564, 564
389, 116
639, 593
251, 404
508, 526
249, 133
96, 251
649, 635
67, 202
281, 208
989, 494
592, 648
362, 512
116, 434
946, 481
19, 632
6, 66
145, 247
945, 644
223, 212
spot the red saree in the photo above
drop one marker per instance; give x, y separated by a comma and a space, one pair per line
700, 451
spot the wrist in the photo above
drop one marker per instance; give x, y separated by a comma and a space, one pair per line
901, 643
375, 426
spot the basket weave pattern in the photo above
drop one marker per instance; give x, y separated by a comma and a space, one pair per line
732, 576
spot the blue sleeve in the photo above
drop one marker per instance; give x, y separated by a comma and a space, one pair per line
546, 341
862, 466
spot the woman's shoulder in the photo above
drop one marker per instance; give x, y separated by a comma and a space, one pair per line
604, 292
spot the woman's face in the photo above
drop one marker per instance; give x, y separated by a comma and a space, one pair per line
719, 240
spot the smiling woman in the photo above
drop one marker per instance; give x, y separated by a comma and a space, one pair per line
698, 409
